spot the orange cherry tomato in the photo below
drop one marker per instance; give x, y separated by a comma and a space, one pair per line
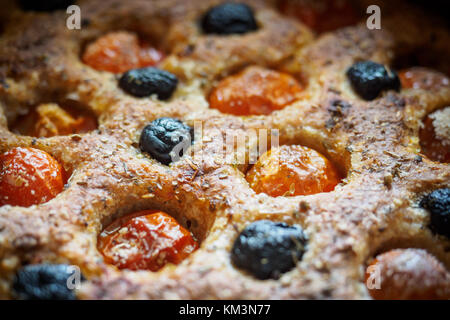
407, 274
146, 241
292, 170
149, 56
321, 16
49, 120
119, 52
29, 176
52, 120
436, 147
255, 90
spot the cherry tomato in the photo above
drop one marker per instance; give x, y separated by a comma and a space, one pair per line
292, 170
436, 146
52, 120
321, 16
407, 274
146, 240
49, 120
422, 78
121, 51
255, 90
29, 176
149, 56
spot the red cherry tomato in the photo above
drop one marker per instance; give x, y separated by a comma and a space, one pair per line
435, 146
407, 274
292, 170
119, 52
255, 90
146, 241
29, 176
321, 16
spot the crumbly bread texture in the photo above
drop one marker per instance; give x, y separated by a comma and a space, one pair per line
374, 144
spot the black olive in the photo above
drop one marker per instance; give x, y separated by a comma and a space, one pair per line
44, 282
165, 139
369, 78
147, 81
438, 204
229, 18
45, 5
267, 249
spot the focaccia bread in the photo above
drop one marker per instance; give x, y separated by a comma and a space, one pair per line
370, 136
